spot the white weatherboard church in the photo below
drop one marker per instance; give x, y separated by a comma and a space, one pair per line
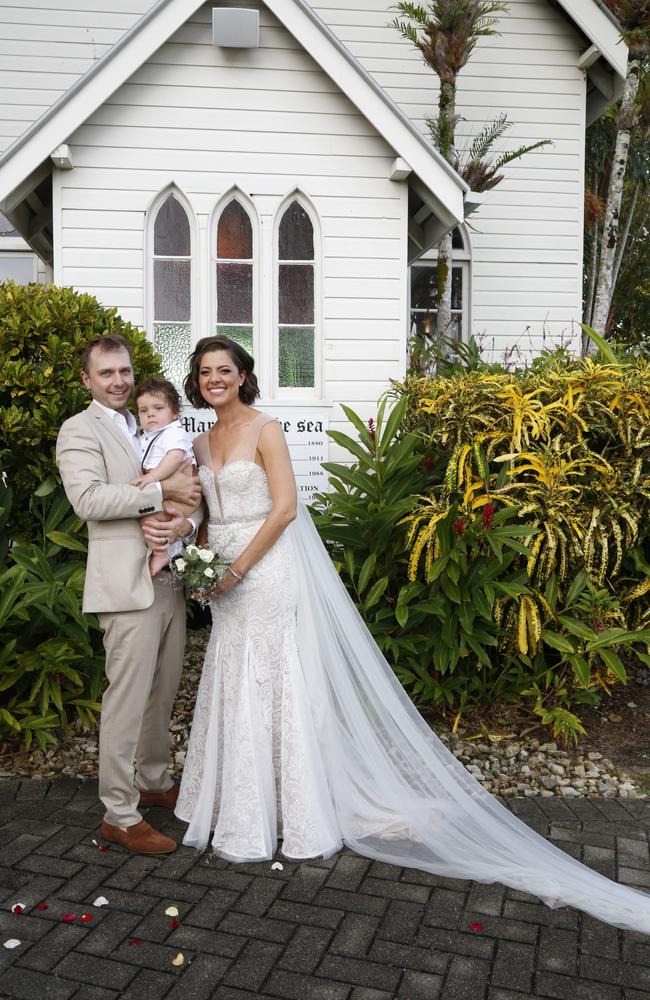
262, 170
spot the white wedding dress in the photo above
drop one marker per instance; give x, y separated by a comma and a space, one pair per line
302, 733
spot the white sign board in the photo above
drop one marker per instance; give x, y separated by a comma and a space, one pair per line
306, 434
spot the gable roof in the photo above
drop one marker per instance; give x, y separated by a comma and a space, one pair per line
28, 155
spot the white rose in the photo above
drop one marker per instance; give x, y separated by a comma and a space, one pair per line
209, 572
206, 555
180, 565
191, 550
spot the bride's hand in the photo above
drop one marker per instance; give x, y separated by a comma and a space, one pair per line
226, 583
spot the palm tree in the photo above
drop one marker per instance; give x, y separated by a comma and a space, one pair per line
634, 19
446, 33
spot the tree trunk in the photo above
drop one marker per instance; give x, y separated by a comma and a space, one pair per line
622, 243
447, 110
625, 124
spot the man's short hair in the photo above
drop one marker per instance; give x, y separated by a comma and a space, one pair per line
109, 342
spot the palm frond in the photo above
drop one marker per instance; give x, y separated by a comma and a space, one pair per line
486, 138
516, 154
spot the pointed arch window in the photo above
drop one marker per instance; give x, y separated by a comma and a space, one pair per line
234, 275
296, 280
172, 287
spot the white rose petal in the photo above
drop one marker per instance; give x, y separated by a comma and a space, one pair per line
206, 555
101, 901
12, 943
277, 867
180, 565
209, 572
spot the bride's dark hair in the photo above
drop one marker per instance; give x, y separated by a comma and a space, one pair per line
248, 390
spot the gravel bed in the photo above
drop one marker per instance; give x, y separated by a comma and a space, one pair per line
505, 767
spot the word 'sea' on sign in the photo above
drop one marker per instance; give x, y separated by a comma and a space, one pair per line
306, 434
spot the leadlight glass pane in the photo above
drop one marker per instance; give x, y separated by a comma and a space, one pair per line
171, 231
234, 293
172, 341
424, 324
234, 233
296, 288
423, 287
296, 361
296, 235
242, 335
171, 283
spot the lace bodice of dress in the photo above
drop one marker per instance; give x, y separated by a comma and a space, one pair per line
238, 491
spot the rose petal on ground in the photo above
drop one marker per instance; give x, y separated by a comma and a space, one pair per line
277, 867
173, 924
41, 906
18, 908
102, 847
69, 918
476, 925
135, 942
179, 960
101, 901
171, 911
85, 918
12, 943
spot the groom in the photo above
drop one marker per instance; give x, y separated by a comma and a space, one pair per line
143, 618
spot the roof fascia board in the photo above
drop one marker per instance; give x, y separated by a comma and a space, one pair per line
91, 90
601, 29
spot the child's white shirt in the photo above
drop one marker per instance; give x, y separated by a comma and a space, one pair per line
171, 437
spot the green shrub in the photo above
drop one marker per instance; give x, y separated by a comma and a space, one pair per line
51, 657
43, 330
494, 533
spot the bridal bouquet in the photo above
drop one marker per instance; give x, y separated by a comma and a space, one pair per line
199, 570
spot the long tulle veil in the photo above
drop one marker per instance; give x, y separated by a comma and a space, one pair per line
398, 794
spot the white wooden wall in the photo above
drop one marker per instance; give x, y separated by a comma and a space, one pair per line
267, 120
527, 247
45, 45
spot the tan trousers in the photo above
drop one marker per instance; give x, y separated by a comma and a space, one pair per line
144, 660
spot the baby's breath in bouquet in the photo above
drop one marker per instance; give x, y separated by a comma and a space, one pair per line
199, 570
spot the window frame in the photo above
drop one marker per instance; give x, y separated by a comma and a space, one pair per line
235, 194
314, 392
461, 259
151, 216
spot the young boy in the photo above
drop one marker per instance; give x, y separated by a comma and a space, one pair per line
165, 445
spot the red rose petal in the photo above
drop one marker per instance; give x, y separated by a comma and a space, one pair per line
41, 906
173, 924
102, 847
476, 926
135, 942
69, 918
85, 918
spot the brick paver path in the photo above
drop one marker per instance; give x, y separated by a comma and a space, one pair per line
343, 929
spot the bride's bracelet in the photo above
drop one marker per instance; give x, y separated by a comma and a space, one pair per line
237, 576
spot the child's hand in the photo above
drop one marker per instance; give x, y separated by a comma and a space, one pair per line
143, 480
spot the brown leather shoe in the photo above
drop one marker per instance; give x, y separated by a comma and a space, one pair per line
139, 838
165, 800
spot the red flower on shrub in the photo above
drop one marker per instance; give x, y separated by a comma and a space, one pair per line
459, 526
428, 464
598, 626
488, 515
371, 428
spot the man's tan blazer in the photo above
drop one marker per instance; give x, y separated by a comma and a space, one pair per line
97, 464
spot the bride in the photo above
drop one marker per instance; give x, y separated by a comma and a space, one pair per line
301, 731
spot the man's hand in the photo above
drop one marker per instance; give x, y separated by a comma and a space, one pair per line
182, 487
158, 534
